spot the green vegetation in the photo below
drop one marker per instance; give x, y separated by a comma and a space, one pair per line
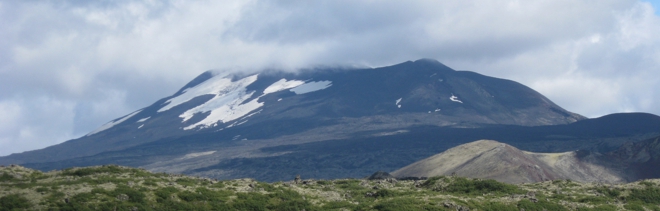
13, 202
121, 188
480, 187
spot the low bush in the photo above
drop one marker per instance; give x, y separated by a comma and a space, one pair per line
476, 186
164, 194
609, 192
186, 181
133, 195
93, 170
649, 195
598, 208
593, 200
540, 205
13, 202
404, 204
6, 177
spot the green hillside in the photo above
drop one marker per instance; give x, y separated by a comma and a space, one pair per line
123, 188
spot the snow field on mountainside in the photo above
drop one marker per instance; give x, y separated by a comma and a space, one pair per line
113, 123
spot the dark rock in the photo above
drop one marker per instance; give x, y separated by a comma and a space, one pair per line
122, 197
380, 175
531, 194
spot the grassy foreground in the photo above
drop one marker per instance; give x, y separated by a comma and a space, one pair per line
122, 188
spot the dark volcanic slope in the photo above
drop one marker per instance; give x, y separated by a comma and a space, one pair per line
363, 153
315, 105
641, 160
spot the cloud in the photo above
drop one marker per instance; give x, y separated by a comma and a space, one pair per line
67, 67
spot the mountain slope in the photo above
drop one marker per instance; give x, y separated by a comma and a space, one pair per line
321, 104
502, 162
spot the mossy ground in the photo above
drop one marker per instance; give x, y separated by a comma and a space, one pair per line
123, 188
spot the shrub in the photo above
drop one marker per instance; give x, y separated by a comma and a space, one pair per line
13, 202
163, 194
634, 206
593, 200
323, 182
540, 205
133, 195
186, 181
337, 205
385, 193
473, 186
6, 177
609, 192
495, 206
647, 195
598, 208
430, 182
81, 172
404, 204
191, 196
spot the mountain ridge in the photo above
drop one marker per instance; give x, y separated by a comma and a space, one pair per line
488, 159
227, 125
403, 76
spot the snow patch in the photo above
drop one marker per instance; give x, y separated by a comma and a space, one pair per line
144, 119
226, 105
391, 133
397, 102
217, 85
311, 87
282, 84
278, 100
196, 154
437, 109
140, 126
455, 99
113, 123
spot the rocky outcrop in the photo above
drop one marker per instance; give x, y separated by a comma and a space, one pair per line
380, 175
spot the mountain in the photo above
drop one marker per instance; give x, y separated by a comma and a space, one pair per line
333, 123
640, 160
503, 162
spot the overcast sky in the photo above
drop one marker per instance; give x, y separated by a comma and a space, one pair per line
67, 67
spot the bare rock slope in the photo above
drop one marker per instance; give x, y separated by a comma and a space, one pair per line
503, 162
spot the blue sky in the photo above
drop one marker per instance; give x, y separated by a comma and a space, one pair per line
656, 6
67, 67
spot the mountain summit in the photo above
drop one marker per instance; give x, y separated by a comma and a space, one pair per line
221, 121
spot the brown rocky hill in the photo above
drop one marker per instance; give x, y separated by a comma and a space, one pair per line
503, 162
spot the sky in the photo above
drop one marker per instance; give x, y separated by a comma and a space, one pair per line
67, 67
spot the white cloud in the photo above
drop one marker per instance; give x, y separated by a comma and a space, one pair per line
34, 123
95, 61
